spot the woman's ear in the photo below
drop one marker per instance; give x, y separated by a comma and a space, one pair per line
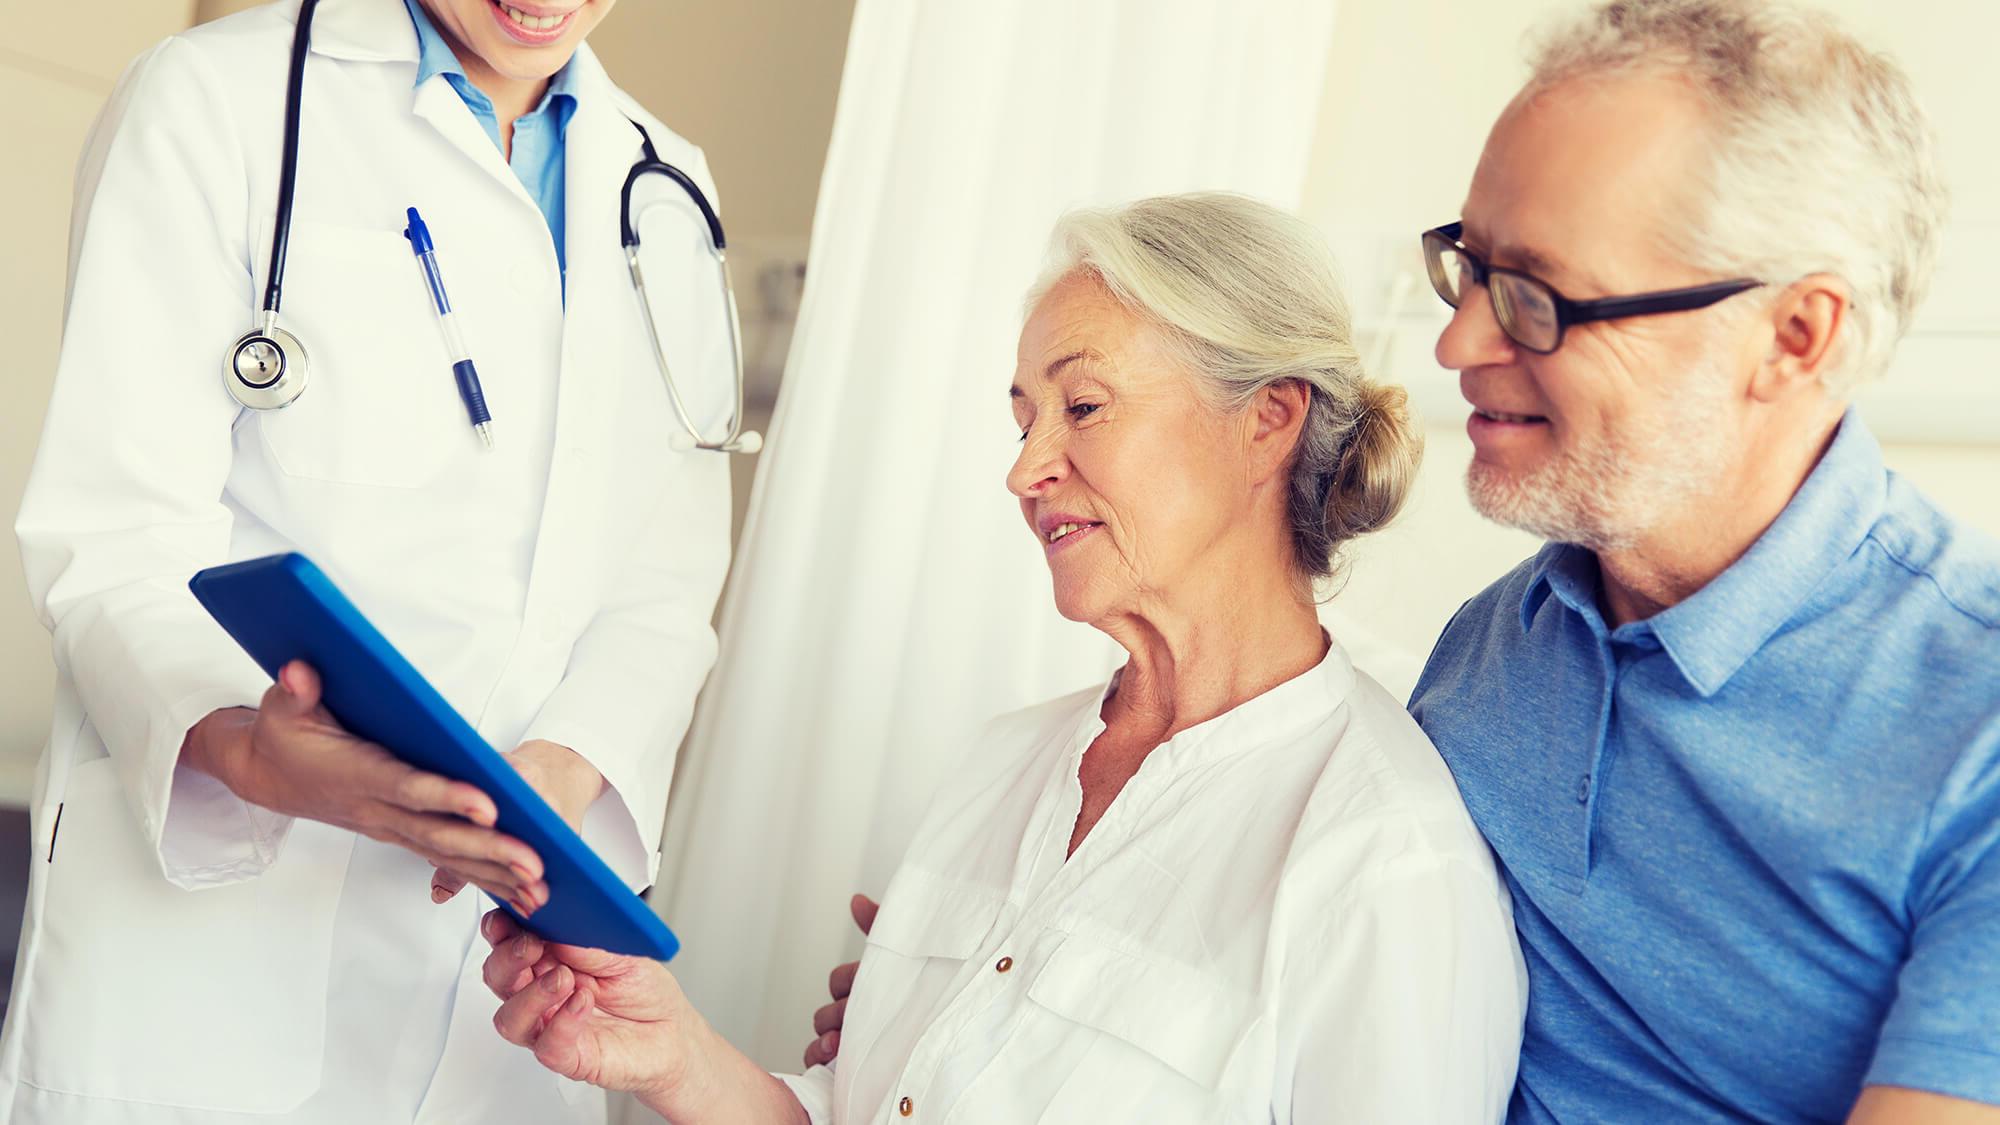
1277, 415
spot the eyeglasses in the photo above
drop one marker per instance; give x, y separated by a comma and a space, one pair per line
1530, 311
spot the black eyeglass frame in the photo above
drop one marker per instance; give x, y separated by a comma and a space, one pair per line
1569, 312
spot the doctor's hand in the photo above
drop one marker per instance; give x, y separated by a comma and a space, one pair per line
828, 1021
563, 778
292, 757
622, 1023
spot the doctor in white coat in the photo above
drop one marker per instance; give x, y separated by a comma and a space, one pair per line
228, 892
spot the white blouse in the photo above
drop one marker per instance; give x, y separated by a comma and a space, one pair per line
1286, 915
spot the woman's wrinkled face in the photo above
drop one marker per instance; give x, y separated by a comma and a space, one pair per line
1126, 476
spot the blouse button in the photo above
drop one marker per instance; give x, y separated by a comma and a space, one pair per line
1005, 964
906, 1107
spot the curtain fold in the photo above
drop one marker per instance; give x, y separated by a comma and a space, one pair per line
887, 596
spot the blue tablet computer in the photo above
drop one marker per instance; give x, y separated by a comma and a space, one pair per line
283, 608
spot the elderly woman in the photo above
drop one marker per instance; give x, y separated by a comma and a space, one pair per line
1234, 884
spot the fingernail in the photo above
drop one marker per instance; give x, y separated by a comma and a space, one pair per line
577, 1003
438, 894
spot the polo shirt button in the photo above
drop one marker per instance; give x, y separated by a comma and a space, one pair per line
1004, 964
906, 1107
1583, 790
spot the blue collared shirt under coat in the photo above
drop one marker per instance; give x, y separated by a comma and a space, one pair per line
1754, 840
537, 157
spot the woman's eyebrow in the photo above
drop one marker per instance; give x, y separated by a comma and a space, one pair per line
1058, 366
1081, 355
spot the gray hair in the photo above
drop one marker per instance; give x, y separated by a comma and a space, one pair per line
1820, 159
1245, 294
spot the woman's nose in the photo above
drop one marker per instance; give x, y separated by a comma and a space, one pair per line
1041, 465
1474, 337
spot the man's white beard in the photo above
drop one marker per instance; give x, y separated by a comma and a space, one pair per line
1608, 494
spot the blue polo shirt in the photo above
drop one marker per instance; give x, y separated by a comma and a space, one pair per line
1753, 841
537, 159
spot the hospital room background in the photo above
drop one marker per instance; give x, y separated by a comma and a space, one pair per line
889, 170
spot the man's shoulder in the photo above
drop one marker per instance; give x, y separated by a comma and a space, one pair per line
1954, 563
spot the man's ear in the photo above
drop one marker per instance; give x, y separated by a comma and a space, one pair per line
1807, 326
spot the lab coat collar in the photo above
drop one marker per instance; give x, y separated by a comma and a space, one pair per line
1301, 702
360, 30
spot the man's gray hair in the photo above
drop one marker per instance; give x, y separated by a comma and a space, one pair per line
1820, 159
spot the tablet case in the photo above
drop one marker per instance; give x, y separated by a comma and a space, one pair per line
283, 608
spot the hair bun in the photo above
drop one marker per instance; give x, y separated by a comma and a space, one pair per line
1378, 463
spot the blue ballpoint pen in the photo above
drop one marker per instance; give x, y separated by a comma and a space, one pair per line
461, 359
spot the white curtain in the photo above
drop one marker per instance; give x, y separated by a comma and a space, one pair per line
887, 595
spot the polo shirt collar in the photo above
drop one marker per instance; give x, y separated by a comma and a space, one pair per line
1711, 635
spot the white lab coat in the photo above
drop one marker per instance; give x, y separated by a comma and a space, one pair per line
186, 957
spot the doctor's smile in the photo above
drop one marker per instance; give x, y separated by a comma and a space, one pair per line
533, 26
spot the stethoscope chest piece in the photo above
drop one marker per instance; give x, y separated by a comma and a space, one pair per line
266, 369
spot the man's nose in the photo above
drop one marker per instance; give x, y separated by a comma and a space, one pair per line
1474, 337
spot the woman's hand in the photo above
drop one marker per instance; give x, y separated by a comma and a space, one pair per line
563, 778
291, 757
621, 1023
612, 1021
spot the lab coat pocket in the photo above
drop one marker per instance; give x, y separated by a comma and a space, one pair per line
1148, 1012
380, 406
137, 990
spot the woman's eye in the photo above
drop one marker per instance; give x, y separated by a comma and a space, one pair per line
1083, 409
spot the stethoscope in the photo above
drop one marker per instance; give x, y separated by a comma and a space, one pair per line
266, 368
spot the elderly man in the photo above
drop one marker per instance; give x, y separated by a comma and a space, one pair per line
1734, 733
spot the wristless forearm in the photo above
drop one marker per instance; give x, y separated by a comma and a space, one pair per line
218, 744
722, 1085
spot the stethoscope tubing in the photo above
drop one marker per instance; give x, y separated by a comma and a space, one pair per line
288, 169
736, 441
